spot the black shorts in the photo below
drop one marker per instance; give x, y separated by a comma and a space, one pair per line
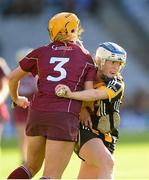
85, 134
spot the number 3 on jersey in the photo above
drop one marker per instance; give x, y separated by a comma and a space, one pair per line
58, 68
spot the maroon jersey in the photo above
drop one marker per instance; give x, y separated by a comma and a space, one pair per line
56, 64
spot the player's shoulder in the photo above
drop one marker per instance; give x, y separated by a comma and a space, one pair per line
37, 52
82, 49
41, 48
79, 47
114, 84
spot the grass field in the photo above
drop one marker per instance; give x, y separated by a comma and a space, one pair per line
131, 156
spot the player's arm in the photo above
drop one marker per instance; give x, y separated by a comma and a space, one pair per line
88, 85
88, 95
14, 79
84, 115
85, 95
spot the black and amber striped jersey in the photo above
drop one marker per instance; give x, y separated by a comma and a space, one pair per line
105, 113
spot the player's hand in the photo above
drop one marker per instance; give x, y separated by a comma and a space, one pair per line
62, 91
85, 118
22, 101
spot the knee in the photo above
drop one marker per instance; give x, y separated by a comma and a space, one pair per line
105, 161
109, 161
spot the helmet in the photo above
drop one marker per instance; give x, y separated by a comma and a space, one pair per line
112, 52
20, 54
65, 22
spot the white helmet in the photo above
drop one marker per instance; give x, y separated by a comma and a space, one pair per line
20, 54
112, 52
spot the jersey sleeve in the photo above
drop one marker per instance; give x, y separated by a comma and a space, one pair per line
29, 63
113, 88
91, 73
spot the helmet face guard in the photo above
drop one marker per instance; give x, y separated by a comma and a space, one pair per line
66, 24
110, 51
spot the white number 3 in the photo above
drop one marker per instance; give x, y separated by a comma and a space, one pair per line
58, 68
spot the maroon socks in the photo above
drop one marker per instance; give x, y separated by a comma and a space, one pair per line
20, 173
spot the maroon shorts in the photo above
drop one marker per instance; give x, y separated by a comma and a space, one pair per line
62, 126
19, 115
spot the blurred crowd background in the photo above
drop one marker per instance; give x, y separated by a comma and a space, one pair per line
23, 23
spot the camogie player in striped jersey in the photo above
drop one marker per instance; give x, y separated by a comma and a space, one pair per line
100, 118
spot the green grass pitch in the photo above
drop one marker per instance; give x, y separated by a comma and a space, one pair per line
131, 158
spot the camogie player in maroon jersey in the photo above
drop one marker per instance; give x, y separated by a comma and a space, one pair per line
53, 122
98, 135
